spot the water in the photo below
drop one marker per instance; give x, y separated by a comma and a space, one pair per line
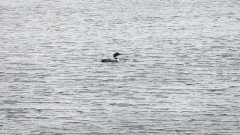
179, 72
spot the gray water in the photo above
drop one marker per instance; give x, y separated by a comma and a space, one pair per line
179, 72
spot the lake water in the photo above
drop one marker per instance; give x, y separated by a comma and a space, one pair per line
179, 72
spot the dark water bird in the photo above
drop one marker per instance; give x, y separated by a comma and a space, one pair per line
115, 59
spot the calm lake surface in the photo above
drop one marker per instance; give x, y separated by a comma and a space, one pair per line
179, 72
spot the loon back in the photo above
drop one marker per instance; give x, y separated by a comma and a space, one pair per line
110, 60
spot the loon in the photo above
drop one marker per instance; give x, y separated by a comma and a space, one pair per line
112, 60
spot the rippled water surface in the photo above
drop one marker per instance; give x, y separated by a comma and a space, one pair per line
179, 72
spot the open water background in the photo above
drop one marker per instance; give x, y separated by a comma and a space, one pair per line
179, 72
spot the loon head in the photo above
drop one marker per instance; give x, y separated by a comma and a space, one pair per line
116, 54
